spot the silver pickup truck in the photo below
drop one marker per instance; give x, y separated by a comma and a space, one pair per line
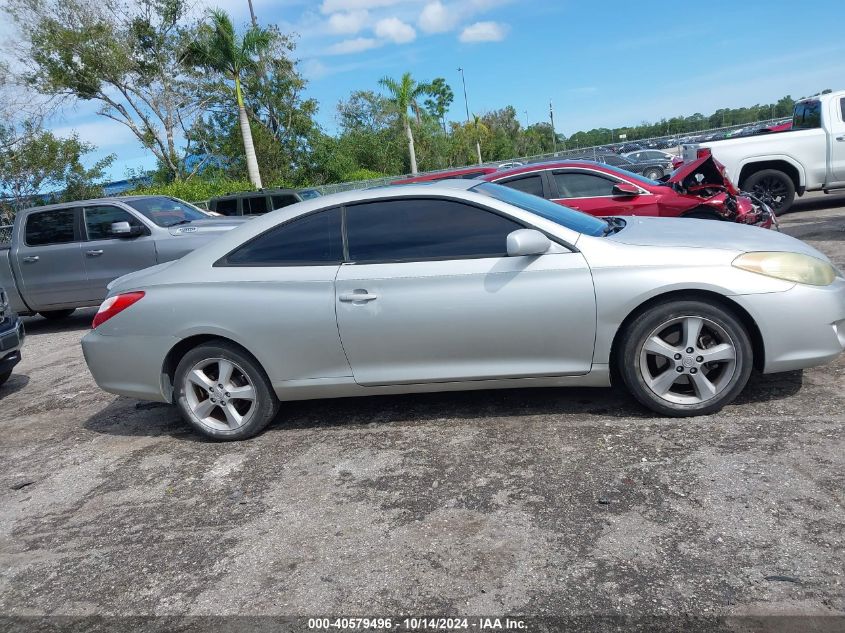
62, 257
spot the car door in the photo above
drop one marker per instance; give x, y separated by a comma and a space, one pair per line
592, 192
428, 294
49, 258
108, 256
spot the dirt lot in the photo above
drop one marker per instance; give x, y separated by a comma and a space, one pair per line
515, 502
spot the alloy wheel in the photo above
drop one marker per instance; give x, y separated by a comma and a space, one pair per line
219, 394
773, 191
688, 360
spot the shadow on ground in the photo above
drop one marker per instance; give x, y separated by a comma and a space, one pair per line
79, 320
126, 417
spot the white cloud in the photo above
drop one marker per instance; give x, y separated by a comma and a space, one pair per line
102, 133
356, 45
484, 32
395, 30
437, 18
348, 23
334, 6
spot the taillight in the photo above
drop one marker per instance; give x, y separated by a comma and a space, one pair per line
115, 305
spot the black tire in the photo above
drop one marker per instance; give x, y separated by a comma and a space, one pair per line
773, 187
640, 331
653, 173
55, 315
266, 403
5, 376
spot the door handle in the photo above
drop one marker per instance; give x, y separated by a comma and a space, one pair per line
840, 138
30, 259
361, 296
94, 253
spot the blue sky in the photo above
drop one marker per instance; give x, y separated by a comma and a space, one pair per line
608, 64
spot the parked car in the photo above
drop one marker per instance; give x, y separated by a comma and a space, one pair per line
780, 127
449, 174
11, 337
627, 148
62, 257
777, 167
308, 194
652, 169
462, 285
646, 155
258, 202
700, 190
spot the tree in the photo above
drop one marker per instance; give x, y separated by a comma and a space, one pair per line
125, 56
35, 162
441, 97
219, 50
403, 95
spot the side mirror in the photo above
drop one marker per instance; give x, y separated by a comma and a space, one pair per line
527, 242
124, 229
625, 189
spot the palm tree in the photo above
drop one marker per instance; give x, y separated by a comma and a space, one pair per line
218, 49
404, 94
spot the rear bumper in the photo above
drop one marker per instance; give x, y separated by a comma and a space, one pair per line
12, 336
802, 327
128, 365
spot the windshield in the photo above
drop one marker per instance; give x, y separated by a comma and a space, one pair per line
308, 194
166, 211
570, 218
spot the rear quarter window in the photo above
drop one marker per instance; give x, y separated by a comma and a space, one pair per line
226, 206
50, 227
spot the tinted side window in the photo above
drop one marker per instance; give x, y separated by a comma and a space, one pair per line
610, 159
842, 107
255, 205
98, 221
414, 230
283, 200
528, 184
314, 239
581, 185
50, 227
227, 206
807, 115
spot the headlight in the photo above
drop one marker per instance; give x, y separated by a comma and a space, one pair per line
796, 267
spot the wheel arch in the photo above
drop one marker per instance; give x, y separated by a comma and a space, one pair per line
757, 345
794, 173
178, 351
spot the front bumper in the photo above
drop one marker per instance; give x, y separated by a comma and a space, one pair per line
128, 365
12, 336
801, 327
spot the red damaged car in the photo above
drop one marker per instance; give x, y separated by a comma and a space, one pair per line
463, 172
700, 189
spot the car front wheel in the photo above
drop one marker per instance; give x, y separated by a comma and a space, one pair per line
686, 358
223, 392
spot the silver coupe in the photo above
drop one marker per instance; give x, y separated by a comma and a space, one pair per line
462, 285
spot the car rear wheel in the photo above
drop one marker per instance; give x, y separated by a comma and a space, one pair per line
653, 174
223, 392
55, 315
773, 187
686, 358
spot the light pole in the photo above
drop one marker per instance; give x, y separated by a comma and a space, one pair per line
554, 135
466, 103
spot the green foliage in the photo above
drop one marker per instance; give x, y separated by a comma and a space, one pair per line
195, 190
441, 97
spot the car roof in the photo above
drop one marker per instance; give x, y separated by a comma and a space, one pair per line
259, 192
90, 201
550, 164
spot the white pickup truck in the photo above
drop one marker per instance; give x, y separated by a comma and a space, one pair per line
776, 167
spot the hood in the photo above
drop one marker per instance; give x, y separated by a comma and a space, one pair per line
132, 279
211, 225
711, 170
690, 233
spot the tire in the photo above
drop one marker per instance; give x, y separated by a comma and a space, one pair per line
700, 387
654, 173
55, 315
199, 396
5, 376
773, 187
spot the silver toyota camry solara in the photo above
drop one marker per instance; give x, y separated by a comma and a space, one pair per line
462, 285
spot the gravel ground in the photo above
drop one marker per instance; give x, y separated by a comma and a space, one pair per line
533, 502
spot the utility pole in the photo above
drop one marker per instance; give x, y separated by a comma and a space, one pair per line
466, 103
552, 119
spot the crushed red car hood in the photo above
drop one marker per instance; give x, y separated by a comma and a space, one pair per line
712, 171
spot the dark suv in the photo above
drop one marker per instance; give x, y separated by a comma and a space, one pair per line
256, 202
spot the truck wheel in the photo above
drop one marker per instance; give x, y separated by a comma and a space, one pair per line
5, 376
773, 187
55, 315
